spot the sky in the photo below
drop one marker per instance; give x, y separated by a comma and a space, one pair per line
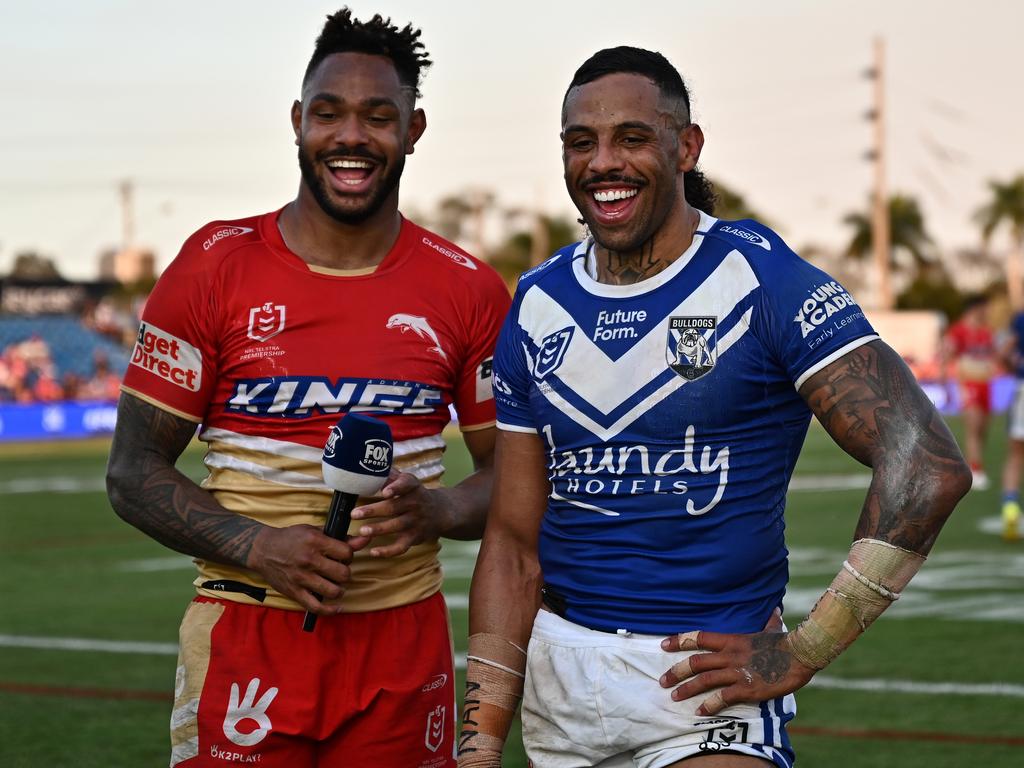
190, 101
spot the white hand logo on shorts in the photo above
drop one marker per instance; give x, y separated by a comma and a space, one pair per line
247, 710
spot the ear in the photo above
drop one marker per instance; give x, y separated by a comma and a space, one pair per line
691, 142
297, 120
417, 125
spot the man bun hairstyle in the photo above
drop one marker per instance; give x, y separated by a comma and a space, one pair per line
379, 37
699, 191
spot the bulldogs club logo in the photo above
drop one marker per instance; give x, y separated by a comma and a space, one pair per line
690, 349
266, 321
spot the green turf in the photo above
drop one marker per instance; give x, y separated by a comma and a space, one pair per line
72, 569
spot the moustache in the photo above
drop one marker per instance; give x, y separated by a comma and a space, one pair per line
345, 152
609, 178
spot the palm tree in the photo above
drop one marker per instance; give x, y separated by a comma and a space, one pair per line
910, 244
1007, 206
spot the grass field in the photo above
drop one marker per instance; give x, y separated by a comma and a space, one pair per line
91, 608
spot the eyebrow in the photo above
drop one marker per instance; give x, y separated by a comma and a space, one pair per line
375, 101
629, 125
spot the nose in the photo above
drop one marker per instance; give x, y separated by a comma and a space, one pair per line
349, 132
605, 158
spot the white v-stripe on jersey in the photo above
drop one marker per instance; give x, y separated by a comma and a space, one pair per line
672, 422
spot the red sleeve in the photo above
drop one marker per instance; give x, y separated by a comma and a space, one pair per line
174, 362
474, 398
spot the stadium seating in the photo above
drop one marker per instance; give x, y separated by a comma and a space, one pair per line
72, 345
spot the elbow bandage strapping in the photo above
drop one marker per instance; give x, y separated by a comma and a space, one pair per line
873, 576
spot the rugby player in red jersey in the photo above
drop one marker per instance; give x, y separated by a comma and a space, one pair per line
263, 331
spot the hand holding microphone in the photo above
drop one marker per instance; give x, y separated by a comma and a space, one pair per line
356, 462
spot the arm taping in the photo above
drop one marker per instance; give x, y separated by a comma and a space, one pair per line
495, 673
873, 576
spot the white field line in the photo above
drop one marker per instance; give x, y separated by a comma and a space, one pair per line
53, 484
61, 484
1010, 690
87, 644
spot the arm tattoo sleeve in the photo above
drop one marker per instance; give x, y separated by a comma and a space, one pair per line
147, 490
871, 405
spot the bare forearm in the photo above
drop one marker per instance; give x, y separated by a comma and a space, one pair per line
505, 593
466, 505
147, 491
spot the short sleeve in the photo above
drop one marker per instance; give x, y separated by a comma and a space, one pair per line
512, 380
474, 396
808, 319
173, 364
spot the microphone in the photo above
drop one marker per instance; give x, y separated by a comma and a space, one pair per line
356, 462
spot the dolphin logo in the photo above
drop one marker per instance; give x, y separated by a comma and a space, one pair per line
420, 327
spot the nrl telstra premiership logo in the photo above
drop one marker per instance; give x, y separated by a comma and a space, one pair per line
266, 321
551, 353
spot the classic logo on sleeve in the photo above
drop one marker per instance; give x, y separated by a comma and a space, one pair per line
165, 355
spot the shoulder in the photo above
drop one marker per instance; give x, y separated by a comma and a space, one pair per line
211, 244
751, 238
552, 268
455, 262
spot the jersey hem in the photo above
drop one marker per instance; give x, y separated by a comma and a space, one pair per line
515, 428
162, 406
476, 427
828, 359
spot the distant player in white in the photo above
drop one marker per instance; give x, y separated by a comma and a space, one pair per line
654, 387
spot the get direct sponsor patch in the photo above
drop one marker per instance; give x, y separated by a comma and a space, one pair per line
165, 355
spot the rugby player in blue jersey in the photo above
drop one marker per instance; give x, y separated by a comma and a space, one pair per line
654, 385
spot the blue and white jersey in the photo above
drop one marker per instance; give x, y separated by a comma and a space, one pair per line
672, 422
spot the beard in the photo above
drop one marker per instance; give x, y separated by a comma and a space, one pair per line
386, 184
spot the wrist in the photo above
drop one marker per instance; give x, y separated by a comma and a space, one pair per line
872, 578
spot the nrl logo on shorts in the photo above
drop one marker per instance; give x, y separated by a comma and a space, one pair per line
551, 353
690, 350
265, 321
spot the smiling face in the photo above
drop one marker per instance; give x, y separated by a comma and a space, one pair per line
624, 151
354, 126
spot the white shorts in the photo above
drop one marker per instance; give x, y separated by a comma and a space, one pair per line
593, 699
1015, 416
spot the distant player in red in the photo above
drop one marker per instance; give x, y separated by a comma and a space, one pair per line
970, 349
263, 331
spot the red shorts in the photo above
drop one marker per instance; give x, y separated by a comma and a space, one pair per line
374, 689
976, 394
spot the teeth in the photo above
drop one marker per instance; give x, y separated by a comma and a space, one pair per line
348, 164
608, 195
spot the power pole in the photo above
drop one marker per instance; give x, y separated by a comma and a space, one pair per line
880, 224
127, 189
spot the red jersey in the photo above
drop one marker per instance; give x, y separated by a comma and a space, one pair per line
267, 352
974, 351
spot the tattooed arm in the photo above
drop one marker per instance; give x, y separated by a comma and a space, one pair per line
147, 491
870, 404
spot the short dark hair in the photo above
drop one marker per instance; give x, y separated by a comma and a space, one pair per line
638, 61
697, 188
379, 37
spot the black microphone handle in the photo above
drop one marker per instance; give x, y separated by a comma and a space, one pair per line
339, 516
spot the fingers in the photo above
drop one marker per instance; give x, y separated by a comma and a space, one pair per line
399, 484
704, 682
695, 641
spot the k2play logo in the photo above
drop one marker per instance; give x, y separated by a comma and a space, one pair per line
248, 709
